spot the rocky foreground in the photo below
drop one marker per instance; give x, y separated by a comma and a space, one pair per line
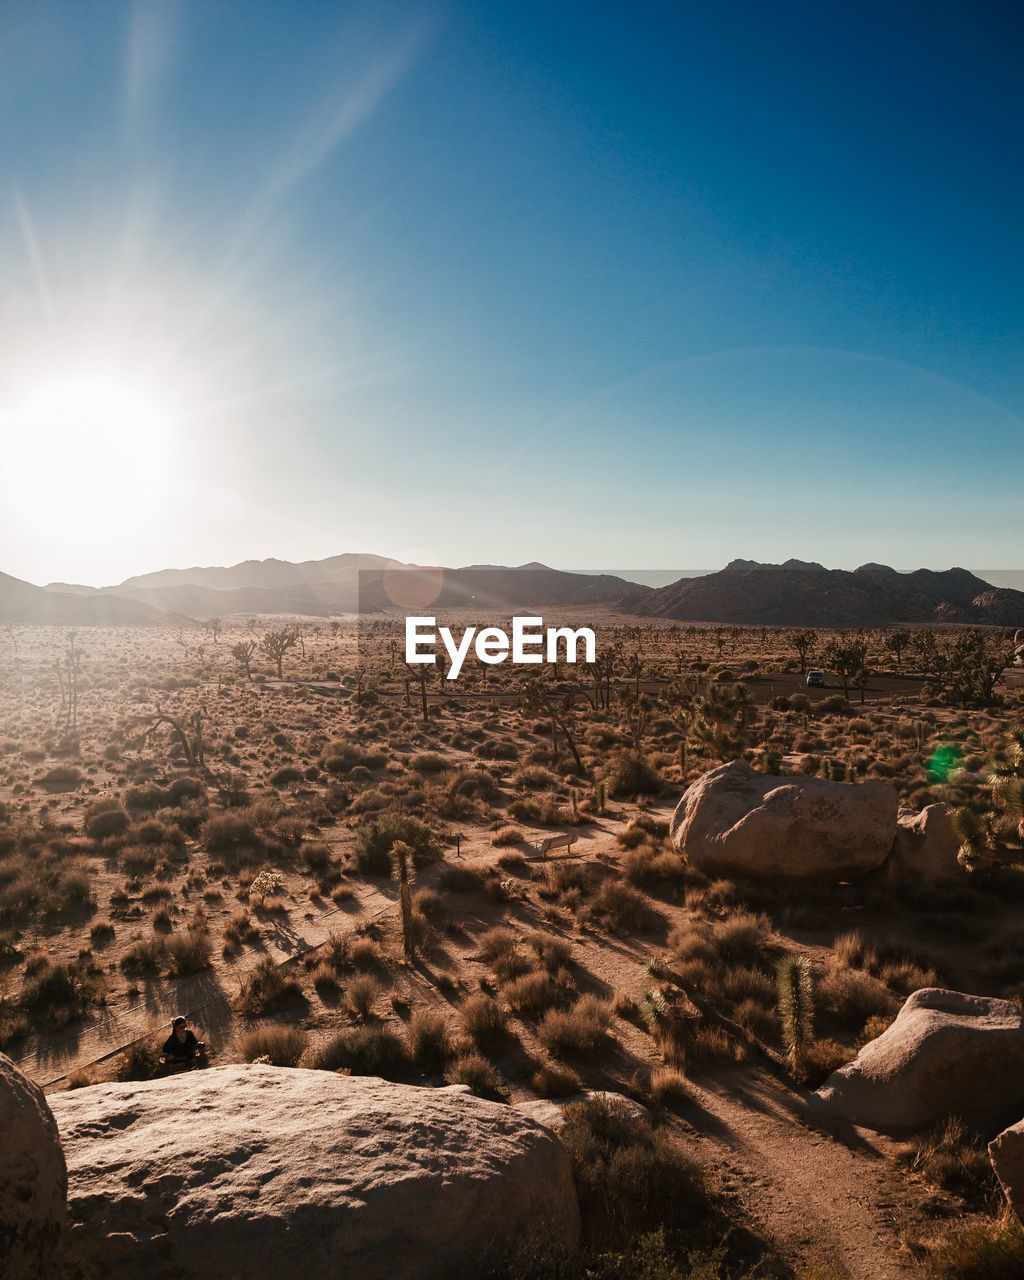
253, 1171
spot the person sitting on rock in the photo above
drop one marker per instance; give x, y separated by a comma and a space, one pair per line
181, 1047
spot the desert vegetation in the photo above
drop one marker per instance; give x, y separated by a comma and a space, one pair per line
329, 861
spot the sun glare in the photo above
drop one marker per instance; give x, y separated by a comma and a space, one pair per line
84, 457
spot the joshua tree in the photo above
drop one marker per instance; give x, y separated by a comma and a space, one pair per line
69, 668
897, 642
188, 732
967, 671
722, 718
275, 644
243, 653
803, 643
537, 701
845, 659
214, 626
796, 1008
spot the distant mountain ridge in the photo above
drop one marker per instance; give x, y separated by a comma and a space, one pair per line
349, 583
799, 593
745, 592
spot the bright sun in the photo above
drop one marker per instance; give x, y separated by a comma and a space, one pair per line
85, 457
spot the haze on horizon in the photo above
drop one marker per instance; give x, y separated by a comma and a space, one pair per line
471, 282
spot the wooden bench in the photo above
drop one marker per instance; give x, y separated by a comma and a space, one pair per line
547, 843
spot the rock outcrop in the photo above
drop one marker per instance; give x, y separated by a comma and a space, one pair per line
946, 1053
33, 1183
1007, 1155
926, 846
734, 821
256, 1171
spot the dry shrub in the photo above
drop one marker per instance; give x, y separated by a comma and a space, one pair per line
532, 993
188, 952
581, 1029
669, 1086
623, 908
554, 1080
363, 1051
553, 953
267, 985
483, 1020
361, 995
506, 835
986, 1249
283, 1046
851, 997
427, 1039
630, 1178
475, 1071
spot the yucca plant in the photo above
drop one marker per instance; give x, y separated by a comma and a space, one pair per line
796, 1008
400, 853
992, 833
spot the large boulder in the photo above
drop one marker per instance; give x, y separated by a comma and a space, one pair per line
255, 1172
1007, 1155
946, 1053
33, 1182
927, 845
734, 821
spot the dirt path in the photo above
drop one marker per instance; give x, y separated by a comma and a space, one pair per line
824, 1201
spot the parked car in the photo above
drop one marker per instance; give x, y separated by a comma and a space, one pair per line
815, 678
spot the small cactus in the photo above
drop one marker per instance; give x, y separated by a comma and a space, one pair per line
796, 1008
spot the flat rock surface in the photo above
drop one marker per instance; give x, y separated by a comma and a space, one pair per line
257, 1171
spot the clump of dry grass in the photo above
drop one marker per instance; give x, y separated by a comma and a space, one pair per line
361, 995
483, 1020
427, 1039
579, 1030
475, 1071
281, 1046
555, 1080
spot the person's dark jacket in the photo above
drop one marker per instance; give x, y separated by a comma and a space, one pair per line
181, 1050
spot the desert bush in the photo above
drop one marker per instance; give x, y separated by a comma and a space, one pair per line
105, 818
669, 1086
427, 1039
555, 1080
361, 995
473, 1070
483, 1020
283, 1046
55, 991
581, 1029
623, 908
267, 985
630, 1178
364, 1051
532, 993
63, 777
989, 1249
140, 1061
456, 879
628, 773
375, 840
188, 952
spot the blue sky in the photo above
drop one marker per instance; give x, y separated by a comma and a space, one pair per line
603, 285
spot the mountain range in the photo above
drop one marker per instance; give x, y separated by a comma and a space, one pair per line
804, 594
746, 592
